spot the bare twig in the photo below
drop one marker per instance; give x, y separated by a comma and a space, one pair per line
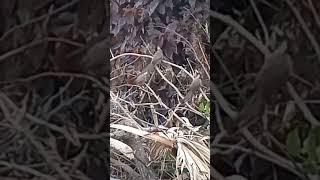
264, 28
226, 106
314, 13
58, 74
228, 73
21, 49
31, 138
307, 113
130, 54
277, 159
305, 28
170, 83
216, 174
40, 18
228, 20
26, 169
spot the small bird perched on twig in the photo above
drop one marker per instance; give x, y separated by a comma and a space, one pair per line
193, 88
146, 72
273, 75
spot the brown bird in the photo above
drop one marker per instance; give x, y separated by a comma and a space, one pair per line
157, 57
193, 88
273, 75
141, 78
147, 71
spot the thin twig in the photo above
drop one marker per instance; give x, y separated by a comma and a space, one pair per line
58, 74
228, 73
130, 54
170, 83
226, 106
314, 13
278, 159
305, 28
264, 28
28, 134
307, 113
27, 169
40, 18
228, 20
21, 49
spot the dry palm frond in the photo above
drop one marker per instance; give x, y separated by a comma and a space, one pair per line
122, 147
192, 151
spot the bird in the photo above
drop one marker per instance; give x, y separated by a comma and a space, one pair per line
194, 86
275, 73
157, 57
95, 58
141, 78
272, 76
147, 71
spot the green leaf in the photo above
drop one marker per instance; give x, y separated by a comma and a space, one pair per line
293, 143
310, 145
201, 107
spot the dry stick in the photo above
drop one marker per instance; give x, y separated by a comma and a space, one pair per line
228, 73
30, 137
38, 121
279, 160
270, 5
178, 92
132, 117
37, 19
206, 60
264, 28
222, 36
187, 43
283, 149
125, 167
144, 93
228, 20
198, 22
27, 169
64, 104
172, 85
140, 104
261, 155
305, 28
314, 13
35, 43
78, 159
218, 118
148, 56
216, 174
181, 68
226, 106
66, 41
130, 54
173, 112
307, 113
137, 104
20, 49
49, 102
58, 74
